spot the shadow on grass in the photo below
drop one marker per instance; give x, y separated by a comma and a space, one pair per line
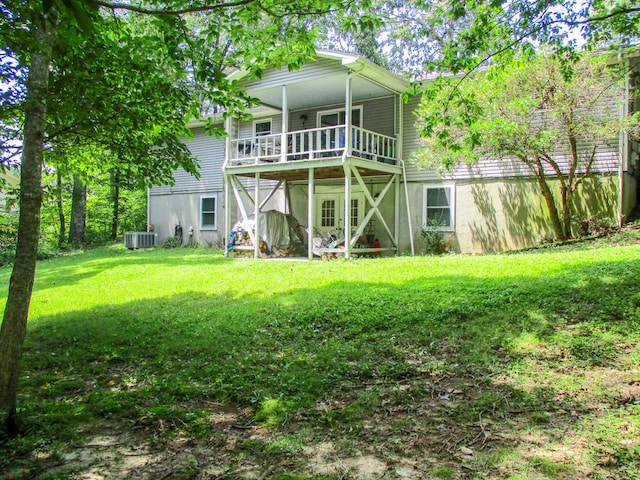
329, 356
68, 271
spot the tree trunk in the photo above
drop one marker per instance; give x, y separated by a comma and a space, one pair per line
62, 237
14, 322
115, 196
78, 210
567, 210
547, 194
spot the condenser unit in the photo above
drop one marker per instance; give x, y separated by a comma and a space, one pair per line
133, 240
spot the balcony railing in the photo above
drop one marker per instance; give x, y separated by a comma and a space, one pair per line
304, 145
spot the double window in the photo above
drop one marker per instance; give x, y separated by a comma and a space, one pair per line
439, 207
208, 213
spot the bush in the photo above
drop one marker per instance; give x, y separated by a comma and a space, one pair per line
596, 226
8, 237
171, 242
432, 238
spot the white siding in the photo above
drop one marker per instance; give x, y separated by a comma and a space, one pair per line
607, 155
377, 115
210, 151
245, 129
310, 71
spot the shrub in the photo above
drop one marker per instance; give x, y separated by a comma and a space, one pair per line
171, 242
596, 226
432, 238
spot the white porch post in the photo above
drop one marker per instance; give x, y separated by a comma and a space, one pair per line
227, 213
285, 125
347, 117
347, 167
227, 187
347, 210
310, 213
256, 244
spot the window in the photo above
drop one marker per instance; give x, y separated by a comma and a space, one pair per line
439, 207
354, 213
208, 213
262, 127
330, 118
328, 213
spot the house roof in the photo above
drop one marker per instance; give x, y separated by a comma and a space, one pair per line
370, 81
367, 69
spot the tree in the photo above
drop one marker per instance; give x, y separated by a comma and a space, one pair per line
244, 33
62, 221
14, 324
414, 37
498, 31
552, 124
78, 212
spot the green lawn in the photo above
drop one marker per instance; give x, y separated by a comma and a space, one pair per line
519, 366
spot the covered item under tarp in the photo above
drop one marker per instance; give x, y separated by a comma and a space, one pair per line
281, 233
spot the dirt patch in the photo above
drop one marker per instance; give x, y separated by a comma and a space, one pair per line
448, 427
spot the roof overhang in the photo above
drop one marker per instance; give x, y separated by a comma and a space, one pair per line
367, 69
368, 81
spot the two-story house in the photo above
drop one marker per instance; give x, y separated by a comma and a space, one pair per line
330, 145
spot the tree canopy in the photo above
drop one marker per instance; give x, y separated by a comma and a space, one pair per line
415, 37
129, 92
532, 113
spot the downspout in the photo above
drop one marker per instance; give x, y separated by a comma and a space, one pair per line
148, 208
404, 176
623, 144
397, 126
406, 194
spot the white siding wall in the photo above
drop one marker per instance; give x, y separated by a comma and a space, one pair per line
310, 71
166, 211
246, 129
488, 215
378, 116
607, 155
210, 151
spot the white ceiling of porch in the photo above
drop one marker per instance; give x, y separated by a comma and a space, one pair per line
320, 92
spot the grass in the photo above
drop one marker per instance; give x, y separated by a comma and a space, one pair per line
499, 366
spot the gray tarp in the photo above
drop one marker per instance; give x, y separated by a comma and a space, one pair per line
277, 230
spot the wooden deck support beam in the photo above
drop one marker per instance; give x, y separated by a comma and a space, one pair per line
243, 210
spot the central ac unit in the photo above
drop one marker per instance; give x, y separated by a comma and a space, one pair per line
133, 240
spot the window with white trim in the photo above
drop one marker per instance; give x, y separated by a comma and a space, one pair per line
330, 118
208, 213
439, 203
262, 127
328, 213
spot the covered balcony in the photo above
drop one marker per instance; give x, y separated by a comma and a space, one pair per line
335, 122
304, 145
